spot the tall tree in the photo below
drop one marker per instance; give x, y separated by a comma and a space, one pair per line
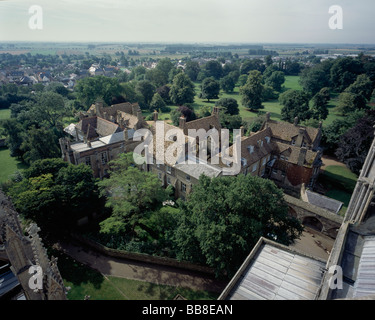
213, 68
147, 90
224, 217
353, 146
227, 83
132, 195
319, 108
182, 90
295, 104
192, 69
210, 89
251, 92
276, 80
229, 105
91, 88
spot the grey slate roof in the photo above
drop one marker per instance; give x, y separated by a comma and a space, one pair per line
275, 272
197, 169
323, 202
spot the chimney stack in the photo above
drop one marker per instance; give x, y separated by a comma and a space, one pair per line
302, 156
126, 134
268, 116
156, 115
98, 107
182, 122
296, 120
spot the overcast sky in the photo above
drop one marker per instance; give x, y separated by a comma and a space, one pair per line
220, 21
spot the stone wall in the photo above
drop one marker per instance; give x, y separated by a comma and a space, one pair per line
329, 223
143, 257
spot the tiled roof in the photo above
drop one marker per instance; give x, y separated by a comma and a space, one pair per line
286, 131
323, 201
131, 121
261, 146
98, 127
294, 153
203, 123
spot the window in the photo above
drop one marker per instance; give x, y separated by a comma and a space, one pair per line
304, 145
160, 176
268, 139
264, 161
243, 162
187, 177
274, 171
183, 187
268, 158
282, 157
293, 142
251, 149
88, 161
255, 167
104, 158
169, 169
169, 180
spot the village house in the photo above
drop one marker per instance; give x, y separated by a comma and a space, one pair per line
101, 135
286, 153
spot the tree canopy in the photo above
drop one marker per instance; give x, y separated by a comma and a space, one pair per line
224, 217
182, 90
251, 92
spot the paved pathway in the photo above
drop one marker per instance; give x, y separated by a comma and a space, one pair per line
331, 161
148, 272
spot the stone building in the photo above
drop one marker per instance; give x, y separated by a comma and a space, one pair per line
101, 135
272, 271
286, 153
26, 251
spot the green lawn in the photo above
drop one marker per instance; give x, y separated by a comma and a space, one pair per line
83, 281
8, 164
274, 107
340, 182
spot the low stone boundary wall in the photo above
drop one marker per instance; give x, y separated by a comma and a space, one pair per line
142, 257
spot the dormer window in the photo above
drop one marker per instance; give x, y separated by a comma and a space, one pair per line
268, 139
243, 162
293, 142
251, 149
